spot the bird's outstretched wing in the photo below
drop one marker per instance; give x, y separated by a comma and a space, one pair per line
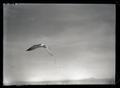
49, 51
32, 48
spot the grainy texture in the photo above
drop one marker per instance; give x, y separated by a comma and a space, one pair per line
82, 38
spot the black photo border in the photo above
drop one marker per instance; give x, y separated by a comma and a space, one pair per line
117, 38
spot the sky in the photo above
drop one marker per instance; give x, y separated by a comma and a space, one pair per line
81, 37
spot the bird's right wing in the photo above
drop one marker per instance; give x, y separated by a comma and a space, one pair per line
49, 51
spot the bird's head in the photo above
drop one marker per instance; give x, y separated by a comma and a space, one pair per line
42, 44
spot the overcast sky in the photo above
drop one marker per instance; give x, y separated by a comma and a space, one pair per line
81, 36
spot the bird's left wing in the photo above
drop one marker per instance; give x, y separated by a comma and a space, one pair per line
32, 48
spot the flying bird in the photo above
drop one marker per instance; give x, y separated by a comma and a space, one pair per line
40, 46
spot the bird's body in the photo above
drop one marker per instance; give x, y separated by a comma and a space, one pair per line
36, 46
39, 46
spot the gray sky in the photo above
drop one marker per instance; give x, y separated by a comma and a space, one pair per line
81, 36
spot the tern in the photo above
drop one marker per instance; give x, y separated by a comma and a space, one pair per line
40, 46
